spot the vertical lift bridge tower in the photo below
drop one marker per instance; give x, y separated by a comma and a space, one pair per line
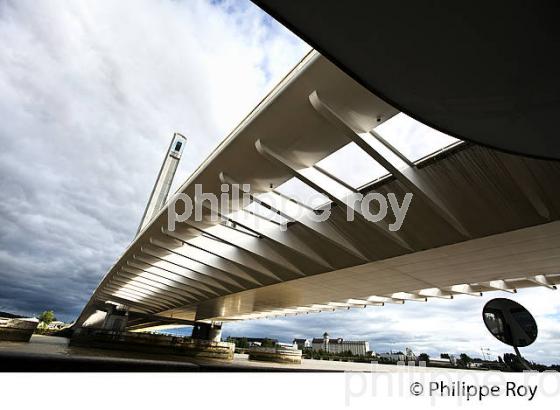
164, 180
115, 317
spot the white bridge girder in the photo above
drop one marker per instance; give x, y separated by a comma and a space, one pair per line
479, 220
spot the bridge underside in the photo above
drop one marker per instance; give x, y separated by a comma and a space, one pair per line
479, 220
458, 68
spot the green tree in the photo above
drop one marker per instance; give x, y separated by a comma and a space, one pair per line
240, 343
464, 360
267, 343
47, 317
424, 357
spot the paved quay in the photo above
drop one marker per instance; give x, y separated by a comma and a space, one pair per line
47, 353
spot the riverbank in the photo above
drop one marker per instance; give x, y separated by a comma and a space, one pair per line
52, 354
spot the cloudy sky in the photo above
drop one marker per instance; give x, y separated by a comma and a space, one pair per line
90, 94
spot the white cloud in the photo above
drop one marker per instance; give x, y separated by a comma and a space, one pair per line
91, 93
437, 326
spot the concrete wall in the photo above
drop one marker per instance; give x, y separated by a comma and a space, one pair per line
155, 344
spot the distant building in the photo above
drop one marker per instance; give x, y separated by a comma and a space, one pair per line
451, 357
302, 344
56, 325
326, 344
445, 359
393, 356
441, 361
409, 354
398, 356
252, 341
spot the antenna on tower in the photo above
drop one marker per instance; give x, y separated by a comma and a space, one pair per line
164, 180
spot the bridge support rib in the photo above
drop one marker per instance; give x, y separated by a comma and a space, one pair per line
315, 179
409, 177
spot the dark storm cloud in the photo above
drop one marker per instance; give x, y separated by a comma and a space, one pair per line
87, 107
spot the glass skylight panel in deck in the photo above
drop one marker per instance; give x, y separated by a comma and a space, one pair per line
385, 152
302, 193
414, 139
329, 185
352, 165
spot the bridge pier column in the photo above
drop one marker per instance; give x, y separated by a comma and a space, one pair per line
116, 318
207, 331
108, 317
